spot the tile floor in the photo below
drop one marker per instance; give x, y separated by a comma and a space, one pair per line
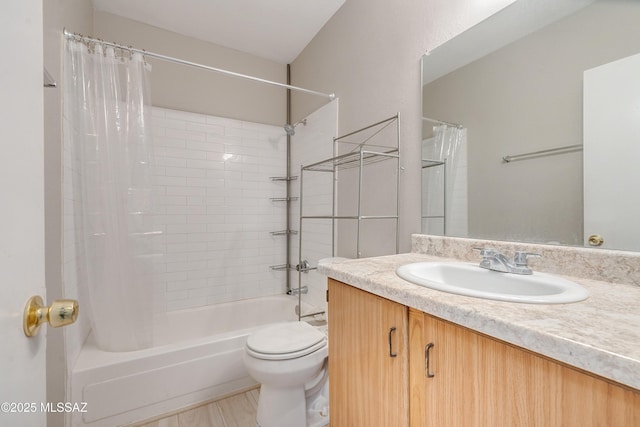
234, 411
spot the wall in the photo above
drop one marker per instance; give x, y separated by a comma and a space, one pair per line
369, 55
216, 213
540, 75
78, 15
189, 89
215, 209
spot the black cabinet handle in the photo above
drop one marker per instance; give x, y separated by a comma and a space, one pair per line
427, 372
391, 353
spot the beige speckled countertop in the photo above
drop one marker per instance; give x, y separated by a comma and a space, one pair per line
600, 335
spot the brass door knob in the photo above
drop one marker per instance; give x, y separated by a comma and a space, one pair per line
61, 312
596, 240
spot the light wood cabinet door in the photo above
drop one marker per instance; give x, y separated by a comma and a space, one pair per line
368, 359
481, 381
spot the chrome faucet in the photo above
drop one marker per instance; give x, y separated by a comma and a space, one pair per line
494, 260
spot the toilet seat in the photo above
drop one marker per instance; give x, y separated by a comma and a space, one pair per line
283, 341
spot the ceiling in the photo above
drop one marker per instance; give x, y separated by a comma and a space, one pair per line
273, 29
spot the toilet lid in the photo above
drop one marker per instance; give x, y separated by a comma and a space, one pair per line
285, 340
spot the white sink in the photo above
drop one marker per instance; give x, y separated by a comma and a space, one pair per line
471, 280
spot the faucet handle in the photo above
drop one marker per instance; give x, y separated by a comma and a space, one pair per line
521, 257
485, 252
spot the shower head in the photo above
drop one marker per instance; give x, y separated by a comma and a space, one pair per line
291, 129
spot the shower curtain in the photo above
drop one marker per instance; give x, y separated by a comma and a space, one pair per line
106, 126
449, 145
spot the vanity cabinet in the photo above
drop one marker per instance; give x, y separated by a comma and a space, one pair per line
474, 380
446, 375
368, 359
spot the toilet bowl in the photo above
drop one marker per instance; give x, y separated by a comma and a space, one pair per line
289, 361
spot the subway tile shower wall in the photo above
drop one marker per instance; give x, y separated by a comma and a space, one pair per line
215, 210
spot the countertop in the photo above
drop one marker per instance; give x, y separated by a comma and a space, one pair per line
599, 335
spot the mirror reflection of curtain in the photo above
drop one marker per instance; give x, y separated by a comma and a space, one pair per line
107, 115
444, 210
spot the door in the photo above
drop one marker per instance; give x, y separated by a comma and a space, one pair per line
22, 359
368, 359
611, 153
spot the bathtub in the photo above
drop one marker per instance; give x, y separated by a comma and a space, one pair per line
197, 357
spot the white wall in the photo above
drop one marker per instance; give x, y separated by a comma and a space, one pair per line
214, 184
214, 210
369, 55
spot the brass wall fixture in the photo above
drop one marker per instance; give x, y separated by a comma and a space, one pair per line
61, 312
596, 240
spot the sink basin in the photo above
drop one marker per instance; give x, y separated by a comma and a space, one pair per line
471, 280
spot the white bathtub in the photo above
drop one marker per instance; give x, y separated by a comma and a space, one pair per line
197, 357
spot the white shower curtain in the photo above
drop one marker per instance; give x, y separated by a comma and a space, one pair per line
449, 145
106, 126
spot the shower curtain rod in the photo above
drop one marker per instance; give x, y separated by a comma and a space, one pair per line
80, 37
442, 122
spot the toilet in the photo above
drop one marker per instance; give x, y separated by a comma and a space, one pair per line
289, 359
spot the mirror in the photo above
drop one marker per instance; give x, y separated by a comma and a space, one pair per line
503, 127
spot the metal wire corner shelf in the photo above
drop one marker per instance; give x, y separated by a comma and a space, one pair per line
361, 155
